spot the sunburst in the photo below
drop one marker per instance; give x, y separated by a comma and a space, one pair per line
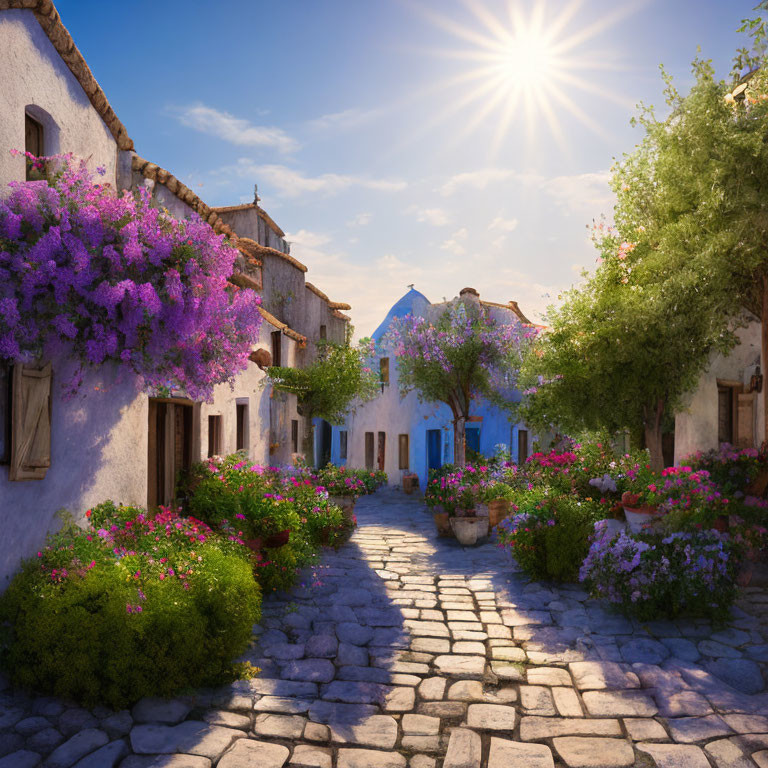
525, 66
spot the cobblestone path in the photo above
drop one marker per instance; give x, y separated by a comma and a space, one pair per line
412, 652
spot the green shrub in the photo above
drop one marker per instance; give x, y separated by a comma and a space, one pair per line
549, 535
261, 503
137, 605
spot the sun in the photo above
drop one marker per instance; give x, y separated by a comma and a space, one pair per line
525, 64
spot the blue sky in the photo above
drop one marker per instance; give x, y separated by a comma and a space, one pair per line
355, 118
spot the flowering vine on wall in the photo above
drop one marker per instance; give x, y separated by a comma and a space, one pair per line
107, 279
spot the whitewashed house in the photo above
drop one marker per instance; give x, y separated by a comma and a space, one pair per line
113, 441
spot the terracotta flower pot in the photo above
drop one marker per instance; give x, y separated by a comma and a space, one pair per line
639, 517
255, 545
442, 522
277, 540
469, 529
498, 509
721, 523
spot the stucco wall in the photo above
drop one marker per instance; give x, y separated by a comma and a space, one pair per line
696, 427
33, 73
283, 293
253, 387
98, 452
393, 415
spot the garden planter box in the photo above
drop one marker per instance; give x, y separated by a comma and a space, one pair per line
639, 517
347, 504
410, 483
498, 509
469, 529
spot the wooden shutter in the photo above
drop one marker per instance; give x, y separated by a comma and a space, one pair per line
369, 450
381, 456
30, 422
745, 420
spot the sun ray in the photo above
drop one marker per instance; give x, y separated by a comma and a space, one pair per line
528, 59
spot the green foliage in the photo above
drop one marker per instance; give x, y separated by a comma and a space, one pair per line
96, 622
329, 387
263, 506
686, 255
549, 535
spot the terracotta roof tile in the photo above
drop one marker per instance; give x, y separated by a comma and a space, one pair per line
331, 304
49, 19
341, 315
183, 192
273, 321
262, 250
232, 208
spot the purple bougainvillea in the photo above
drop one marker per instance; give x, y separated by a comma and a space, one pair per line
107, 279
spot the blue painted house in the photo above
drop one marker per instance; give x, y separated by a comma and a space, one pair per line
404, 435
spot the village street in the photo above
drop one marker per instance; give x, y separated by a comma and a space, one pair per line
408, 650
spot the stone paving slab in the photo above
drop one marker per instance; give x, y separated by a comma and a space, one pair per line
413, 652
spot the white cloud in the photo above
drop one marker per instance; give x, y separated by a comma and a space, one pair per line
361, 220
306, 239
344, 120
582, 193
454, 242
437, 217
503, 225
478, 179
499, 242
289, 182
233, 129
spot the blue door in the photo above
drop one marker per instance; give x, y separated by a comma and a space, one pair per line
473, 439
433, 449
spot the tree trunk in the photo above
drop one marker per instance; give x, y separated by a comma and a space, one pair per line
652, 427
459, 441
764, 353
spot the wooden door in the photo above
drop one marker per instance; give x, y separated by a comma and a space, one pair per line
169, 449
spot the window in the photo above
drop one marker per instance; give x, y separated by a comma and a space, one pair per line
381, 456
214, 435
33, 142
369, 450
384, 372
522, 445
241, 442
323, 332
277, 348
343, 444
295, 435
402, 445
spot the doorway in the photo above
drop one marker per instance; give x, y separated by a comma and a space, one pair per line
433, 449
323, 443
381, 457
170, 448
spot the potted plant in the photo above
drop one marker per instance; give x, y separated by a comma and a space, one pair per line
638, 513
466, 524
499, 499
437, 498
343, 487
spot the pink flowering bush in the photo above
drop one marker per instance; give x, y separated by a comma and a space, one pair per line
733, 469
107, 279
283, 516
134, 605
